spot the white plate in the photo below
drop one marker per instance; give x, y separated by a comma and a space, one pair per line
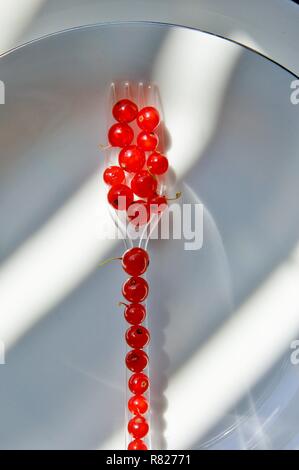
234, 147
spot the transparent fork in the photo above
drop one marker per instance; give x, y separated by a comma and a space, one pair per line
143, 94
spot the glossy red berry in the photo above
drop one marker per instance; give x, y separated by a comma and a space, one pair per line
157, 204
137, 444
148, 118
137, 336
138, 426
143, 184
157, 163
138, 213
138, 405
147, 141
136, 360
135, 289
131, 158
135, 261
138, 383
120, 135
114, 175
120, 196
135, 313
125, 111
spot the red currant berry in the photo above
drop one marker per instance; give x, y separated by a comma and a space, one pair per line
135, 261
136, 360
120, 135
120, 196
148, 118
138, 383
138, 213
131, 158
138, 426
137, 336
135, 289
147, 141
135, 313
137, 444
157, 204
125, 111
113, 175
143, 184
157, 163
138, 405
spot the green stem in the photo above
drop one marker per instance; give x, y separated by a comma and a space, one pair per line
108, 261
177, 195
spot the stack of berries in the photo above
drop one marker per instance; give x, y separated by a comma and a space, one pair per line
135, 290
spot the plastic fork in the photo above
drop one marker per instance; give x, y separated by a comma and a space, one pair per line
143, 94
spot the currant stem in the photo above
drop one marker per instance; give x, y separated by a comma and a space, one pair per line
152, 175
122, 303
177, 196
108, 261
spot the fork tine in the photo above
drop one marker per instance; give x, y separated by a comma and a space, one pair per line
140, 95
127, 90
157, 100
112, 94
150, 96
109, 152
161, 130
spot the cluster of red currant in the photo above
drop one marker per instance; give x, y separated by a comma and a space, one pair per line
141, 162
